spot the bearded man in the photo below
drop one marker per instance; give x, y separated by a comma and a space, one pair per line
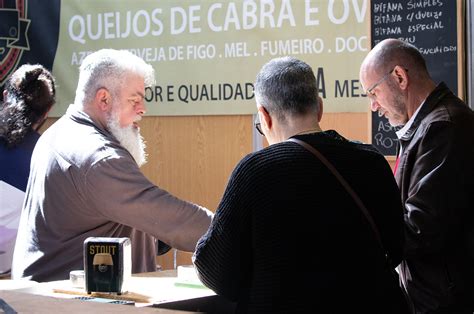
85, 179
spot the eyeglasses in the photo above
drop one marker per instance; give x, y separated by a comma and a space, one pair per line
386, 76
258, 126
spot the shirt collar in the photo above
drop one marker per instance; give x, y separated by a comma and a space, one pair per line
407, 125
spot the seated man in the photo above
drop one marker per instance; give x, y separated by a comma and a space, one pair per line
85, 179
282, 202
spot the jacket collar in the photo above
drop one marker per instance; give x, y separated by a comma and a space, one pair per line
82, 117
430, 103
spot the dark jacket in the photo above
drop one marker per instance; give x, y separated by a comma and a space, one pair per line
288, 238
435, 176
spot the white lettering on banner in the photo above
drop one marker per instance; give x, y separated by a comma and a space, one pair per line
157, 54
77, 57
351, 44
187, 93
182, 39
201, 92
249, 17
178, 13
291, 47
141, 15
234, 50
311, 46
220, 17
201, 52
308, 11
242, 49
174, 53
92, 25
358, 11
107, 25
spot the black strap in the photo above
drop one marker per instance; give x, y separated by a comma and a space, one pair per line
6, 308
348, 188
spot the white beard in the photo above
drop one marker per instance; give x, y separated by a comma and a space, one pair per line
129, 137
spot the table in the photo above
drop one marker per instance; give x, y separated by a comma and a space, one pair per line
157, 292
23, 302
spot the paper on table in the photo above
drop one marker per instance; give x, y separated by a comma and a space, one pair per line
187, 276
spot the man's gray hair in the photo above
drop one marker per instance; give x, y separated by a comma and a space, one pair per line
107, 68
287, 86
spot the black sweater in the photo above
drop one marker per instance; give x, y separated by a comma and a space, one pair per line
288, 238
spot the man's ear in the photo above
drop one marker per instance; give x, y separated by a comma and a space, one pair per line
103, 99
402, 76
321, 109
265, 118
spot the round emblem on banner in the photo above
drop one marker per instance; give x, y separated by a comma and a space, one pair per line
13, 35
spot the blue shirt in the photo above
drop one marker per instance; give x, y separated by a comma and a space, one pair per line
15, 161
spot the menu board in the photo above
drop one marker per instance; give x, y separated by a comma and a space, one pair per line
431, 26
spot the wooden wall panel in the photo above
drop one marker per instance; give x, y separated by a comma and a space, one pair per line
353, 126
192, 157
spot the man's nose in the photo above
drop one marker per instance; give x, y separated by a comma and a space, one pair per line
140, 107
374, 105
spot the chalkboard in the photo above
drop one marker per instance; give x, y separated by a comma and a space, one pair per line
431, 26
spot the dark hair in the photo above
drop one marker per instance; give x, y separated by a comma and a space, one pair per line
30, 94
287, 86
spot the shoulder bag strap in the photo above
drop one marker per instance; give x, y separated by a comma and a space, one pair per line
364, 210
346, 185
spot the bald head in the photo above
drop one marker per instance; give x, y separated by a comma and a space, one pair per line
396, 80
391, 52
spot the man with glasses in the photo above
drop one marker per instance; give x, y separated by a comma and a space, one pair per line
282, 202
85, 179
434, 173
